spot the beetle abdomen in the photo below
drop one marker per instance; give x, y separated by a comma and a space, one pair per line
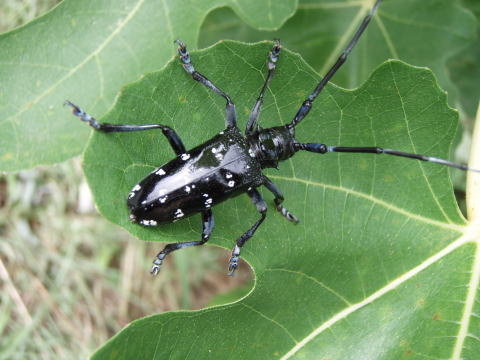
195, 181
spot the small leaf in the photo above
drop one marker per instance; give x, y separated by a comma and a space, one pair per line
85, 51
381, 265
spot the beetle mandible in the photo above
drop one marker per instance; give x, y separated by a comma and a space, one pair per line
229, 164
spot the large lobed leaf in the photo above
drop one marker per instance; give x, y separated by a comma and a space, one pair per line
85, 51
382, 265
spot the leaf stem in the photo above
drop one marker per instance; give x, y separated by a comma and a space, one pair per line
473, 178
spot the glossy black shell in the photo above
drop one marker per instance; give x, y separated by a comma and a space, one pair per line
218, 169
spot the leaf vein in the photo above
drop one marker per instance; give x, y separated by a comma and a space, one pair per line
451, 226
271, 320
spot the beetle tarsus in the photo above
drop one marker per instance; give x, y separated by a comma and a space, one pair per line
157, 263
287, 214
233, 264
231, 269
155, 270
77, 111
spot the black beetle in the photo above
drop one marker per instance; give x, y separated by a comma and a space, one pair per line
230, 163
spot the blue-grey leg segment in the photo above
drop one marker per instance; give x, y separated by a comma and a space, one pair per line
231, 115
208, 223
252, 125
262, 209
278, 200
172, 137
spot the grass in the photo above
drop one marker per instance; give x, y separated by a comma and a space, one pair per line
17, 12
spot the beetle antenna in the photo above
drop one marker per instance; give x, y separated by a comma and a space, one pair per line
307, 104
322, 149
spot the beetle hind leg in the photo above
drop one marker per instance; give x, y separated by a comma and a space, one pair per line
208, 224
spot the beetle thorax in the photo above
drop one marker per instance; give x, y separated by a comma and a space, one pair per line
272, 145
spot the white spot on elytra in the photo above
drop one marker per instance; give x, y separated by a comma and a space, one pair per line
208, 203
228, 175
219, 156
205, 195
133, 191
231, 183
163, 199
148, 222
193, 186
187, 189
250, 188
185, 156
160, 172
178, 214
214, 150
221, 132
251, 153
136, 188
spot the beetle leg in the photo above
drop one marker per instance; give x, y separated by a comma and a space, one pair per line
172, 137
271, 63
231, 115
278, 200
208, 224
262, 209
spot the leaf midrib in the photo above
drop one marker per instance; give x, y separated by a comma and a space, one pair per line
470, 234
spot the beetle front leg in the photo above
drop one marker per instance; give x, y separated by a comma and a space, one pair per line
208, 224
262, 209
278, 200
231, 115
172, 137
273, 55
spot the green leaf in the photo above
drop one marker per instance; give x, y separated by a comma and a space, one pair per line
423, 33
464, 69
85, 51
382, 265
